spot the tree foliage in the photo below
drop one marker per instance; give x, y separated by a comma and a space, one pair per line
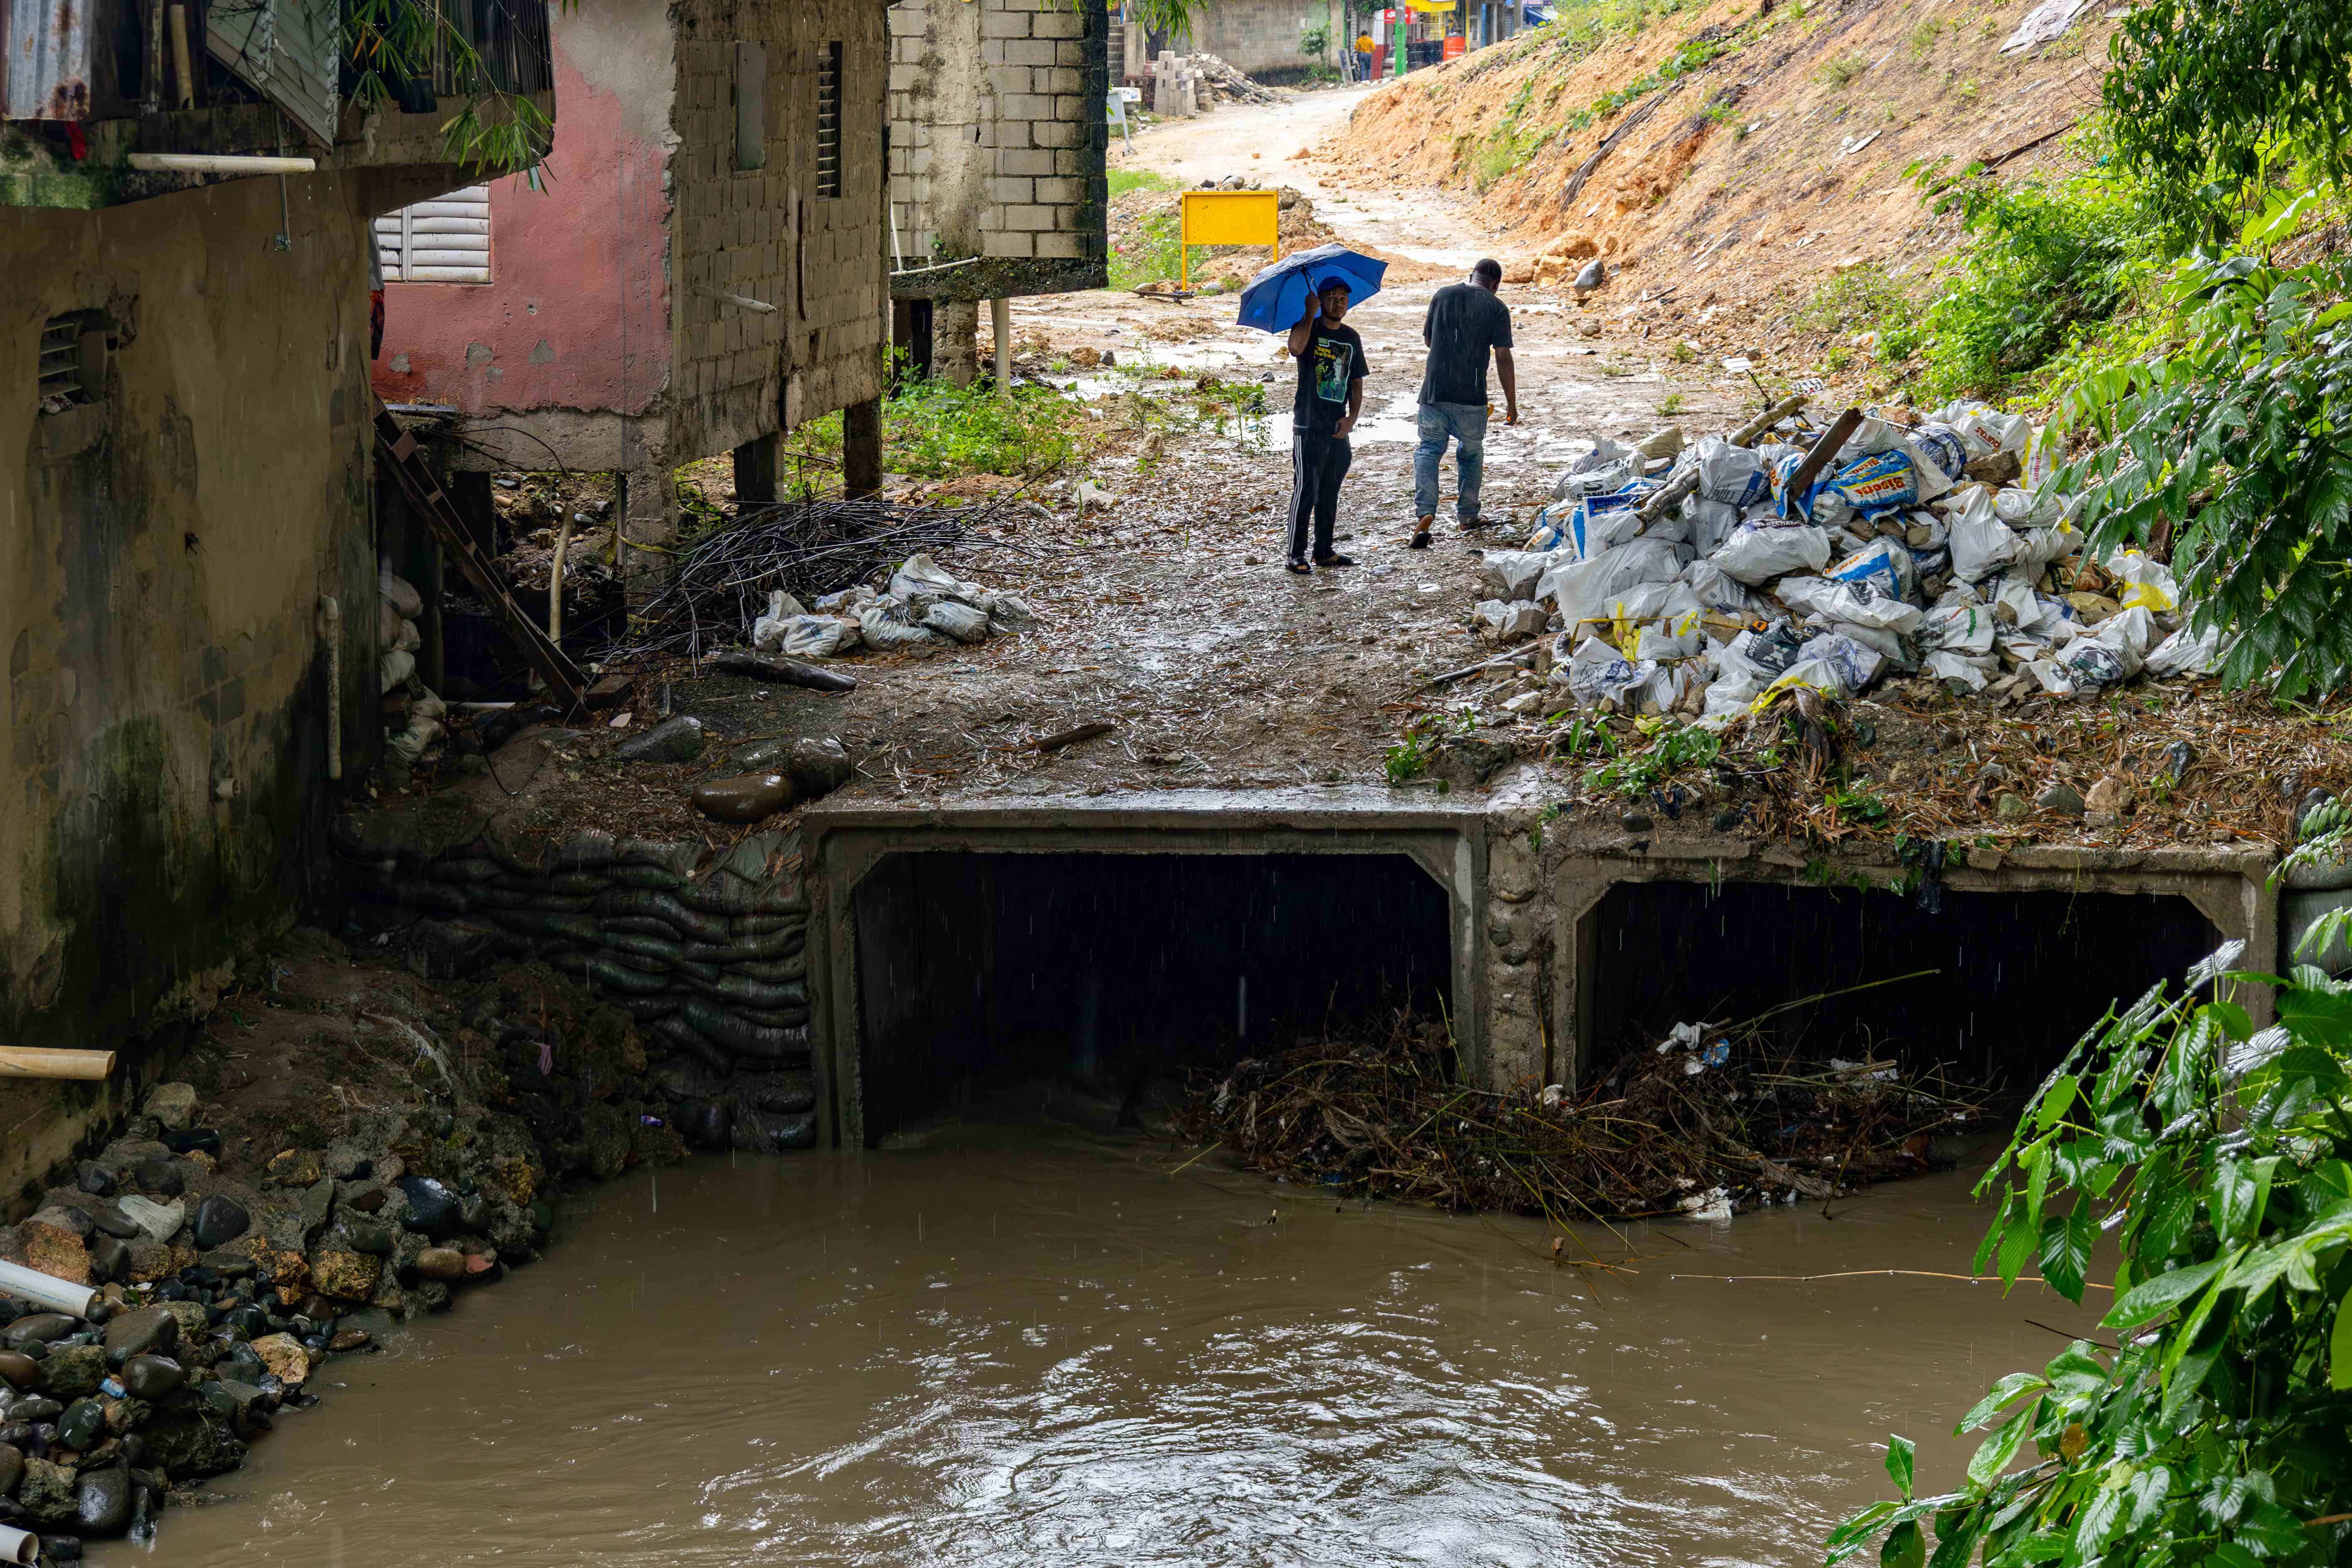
2212, 98
2242, 436
2217, 1430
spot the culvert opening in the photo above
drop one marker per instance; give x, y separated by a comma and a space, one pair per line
2019, 974
1116, 971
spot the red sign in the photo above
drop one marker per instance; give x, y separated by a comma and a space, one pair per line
1389, 14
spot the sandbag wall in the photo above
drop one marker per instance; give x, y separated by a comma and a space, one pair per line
711, 960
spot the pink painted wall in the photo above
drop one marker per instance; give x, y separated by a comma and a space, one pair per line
576, 315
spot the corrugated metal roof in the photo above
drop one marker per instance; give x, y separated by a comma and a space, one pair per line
45, 71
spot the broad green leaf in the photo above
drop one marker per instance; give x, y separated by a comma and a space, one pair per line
2269, 1531
2339, 1346
2066, 1250
1994, 1453
2053, 1106
1905, 1547
2004, 1392
1901, 1456
2075, 1374
2229, 1554
2233, 1019
2153, 1297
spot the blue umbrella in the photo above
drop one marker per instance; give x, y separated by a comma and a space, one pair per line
1276, 297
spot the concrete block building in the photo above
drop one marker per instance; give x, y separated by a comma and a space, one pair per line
699, 267
187, 573
997, 142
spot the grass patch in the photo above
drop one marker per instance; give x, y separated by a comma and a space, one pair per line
1125, 179
1155, 252
1840, 72
934, 431
1672, 404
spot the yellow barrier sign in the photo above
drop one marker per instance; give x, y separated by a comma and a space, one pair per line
1227, 218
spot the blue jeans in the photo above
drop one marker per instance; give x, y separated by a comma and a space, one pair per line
1467, 423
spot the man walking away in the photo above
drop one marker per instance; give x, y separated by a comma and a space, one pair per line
1464, 320
1330, 395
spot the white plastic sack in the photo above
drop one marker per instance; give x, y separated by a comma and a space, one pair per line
1961, 671
1598, 673
1729, 474
1856, 665
1657, 621
1580, 589
1010, 611
876, 624
2110, 656
1883, 566
1507, 620
1715, 590
2145, 585
395, 666
1847, 604
2038, 547
1956, 628
2189, 652
1757, 555
1710, 523
2024, 508
1940, 456
768, 631
921, 581
410, 639
959, 621
1607, 466
1982, 543
1510, 575
1984, 429
814, 637
393, 590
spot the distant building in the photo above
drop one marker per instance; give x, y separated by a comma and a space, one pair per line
698, 268
1261, 38
998, 127
185, 414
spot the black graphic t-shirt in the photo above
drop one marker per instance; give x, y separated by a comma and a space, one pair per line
1334, 358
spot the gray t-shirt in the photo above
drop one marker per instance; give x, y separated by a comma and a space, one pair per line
1464, 324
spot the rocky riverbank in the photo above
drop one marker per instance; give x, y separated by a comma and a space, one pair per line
358, 1146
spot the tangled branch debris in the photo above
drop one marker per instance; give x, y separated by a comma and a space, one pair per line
1715, 1119
807, 548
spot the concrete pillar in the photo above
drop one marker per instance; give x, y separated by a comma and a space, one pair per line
469, 491
755, 470
999, 323
955, 341
861, 448
646, 512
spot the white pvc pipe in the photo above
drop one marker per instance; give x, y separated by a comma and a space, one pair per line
743, 301
220, 164
332, 613
46, 1290
19, 1546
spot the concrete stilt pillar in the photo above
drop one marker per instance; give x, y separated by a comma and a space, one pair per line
955, 341
999, 323
647, 510
861, 448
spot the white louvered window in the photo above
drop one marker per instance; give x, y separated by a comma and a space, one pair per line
444, 240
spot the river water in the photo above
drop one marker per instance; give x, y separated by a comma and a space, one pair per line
1035, 1348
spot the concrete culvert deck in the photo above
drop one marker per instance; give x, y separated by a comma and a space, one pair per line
2016, 976
1114, 970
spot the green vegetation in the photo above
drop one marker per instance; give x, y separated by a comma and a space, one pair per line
932, 430
1840, 70
1677, 746
1155, 251
1695, 53
493, 132
1672, 402
1125, 179
2216, 1428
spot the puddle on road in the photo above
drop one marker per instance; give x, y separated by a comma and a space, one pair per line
1021, 1347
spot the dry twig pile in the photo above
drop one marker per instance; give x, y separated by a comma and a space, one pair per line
1725, 1121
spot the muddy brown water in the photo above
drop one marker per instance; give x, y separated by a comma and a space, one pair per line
1035, 1348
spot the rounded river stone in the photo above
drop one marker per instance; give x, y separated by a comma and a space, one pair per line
83, 1425
431, 1207
749, 797
220, 1219
102, 1505
18, 1369
151, 1377
678, 739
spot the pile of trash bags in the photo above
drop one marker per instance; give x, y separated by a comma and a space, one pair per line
415, 712
923, 606
1930, 545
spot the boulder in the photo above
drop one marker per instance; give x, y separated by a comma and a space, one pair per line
284, 1356
103, 1502
74, 1372
220, 1219
352, 1275
172, 1104
146, 1330
53, 1249
150, 1377
47, 1492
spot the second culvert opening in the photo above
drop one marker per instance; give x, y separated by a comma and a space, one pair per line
2019, 974
1117, 970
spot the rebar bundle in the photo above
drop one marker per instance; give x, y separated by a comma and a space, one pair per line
807, 548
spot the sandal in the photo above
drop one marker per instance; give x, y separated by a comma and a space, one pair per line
1335, 558
1420, 540
1296, 564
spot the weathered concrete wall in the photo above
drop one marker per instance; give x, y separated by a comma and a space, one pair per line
576, 315
998, 129
772, 234
1260, 38
163, 555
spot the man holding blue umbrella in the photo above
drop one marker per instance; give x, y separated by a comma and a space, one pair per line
1322, 411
